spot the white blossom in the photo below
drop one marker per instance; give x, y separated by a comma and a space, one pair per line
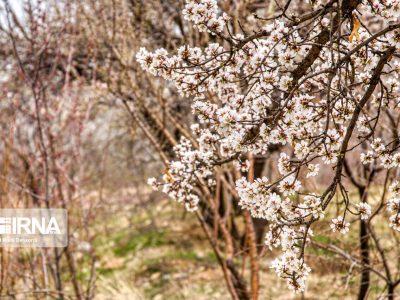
364, 209
339, 224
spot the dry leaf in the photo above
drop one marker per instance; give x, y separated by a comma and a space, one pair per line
169, 178
356, 27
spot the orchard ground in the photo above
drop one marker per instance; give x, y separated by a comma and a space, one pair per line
156, 250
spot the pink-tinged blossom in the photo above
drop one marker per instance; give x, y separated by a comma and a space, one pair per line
364, 210
340, 225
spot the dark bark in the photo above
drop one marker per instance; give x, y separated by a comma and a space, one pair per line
390, 294
238, 282
364, 251
347, 8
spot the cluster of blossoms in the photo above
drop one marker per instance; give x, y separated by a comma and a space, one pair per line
389, 9
292, 268
185, 173
290, 265
394, 206
387, 159
262, 91
262, 203
204, 15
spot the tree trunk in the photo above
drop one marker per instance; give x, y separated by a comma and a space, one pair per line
390, 294
364, 249
364, 252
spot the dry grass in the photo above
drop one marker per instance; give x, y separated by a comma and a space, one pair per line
159, 252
